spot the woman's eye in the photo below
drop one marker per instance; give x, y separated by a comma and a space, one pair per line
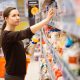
15, 15
18, 15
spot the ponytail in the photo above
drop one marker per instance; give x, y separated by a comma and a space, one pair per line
4, 25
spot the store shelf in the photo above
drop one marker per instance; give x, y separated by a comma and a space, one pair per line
65, 22
59, 61
70, 28
65, 17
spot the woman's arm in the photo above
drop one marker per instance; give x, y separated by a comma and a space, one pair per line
39, 25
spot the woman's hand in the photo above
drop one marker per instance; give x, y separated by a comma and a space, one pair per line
39, 25
50, 14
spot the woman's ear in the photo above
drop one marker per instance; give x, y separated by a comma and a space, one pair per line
5, 18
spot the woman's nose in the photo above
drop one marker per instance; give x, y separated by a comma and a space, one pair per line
17, 17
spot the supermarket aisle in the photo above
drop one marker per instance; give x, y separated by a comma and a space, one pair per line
33, 71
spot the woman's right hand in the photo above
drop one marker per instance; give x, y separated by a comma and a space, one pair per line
39, 25
50, 14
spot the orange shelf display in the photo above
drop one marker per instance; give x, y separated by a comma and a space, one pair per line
27, 61
2, 67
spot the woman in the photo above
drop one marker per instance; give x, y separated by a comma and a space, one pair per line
12, 45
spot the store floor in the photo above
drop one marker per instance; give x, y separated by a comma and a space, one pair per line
33, 71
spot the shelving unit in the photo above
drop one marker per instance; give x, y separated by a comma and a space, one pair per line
65, 23
59, 61
66, 17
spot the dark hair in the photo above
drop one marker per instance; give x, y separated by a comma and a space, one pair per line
6, 14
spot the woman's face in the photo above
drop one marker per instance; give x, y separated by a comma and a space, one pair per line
13, 19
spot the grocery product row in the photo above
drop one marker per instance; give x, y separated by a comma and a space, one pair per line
60, 46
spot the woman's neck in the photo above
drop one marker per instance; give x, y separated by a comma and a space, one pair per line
9, 28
